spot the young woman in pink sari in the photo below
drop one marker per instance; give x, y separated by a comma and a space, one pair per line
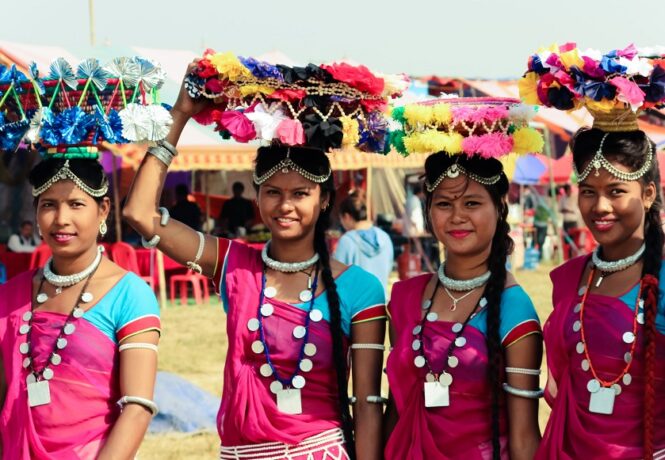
468, 334
78, 338
293, 313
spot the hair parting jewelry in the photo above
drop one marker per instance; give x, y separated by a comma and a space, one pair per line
454, 170
287, 164
599, 161
65, 173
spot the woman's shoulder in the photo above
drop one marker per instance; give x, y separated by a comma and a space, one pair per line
16, 291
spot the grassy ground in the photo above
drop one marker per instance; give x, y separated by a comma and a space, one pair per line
193, 346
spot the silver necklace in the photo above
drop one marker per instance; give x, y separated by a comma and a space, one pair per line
613, 266
286, 267
63, 281
457, 299
462, 285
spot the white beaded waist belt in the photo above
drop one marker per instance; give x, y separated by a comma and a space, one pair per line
278, 450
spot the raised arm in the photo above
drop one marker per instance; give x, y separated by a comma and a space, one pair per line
177, 240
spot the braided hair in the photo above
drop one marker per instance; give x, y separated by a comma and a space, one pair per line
316, 162
502, 246
630, 148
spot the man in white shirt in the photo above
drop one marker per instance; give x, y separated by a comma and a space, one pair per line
24, 240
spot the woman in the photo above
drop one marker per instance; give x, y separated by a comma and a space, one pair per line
293, 312
605, 342
605, 338
463, 336
363, 244
78, 337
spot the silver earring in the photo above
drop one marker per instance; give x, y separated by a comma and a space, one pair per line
103, 228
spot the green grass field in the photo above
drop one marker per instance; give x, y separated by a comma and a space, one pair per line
193, 345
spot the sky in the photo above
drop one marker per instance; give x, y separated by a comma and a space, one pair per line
466, 38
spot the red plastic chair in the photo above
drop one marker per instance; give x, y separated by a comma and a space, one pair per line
583, 240
124, 255
199, 285
39, 256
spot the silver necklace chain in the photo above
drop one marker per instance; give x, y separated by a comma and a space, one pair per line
75, 278
286, 267
462, 285
616, 265
456, 300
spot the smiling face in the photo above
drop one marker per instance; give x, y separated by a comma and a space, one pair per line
290, 205
69, 219
463, 216
614, 210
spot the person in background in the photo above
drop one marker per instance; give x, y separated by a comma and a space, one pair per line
568, 208
414, 218
237, 213
363, 244
24, 240
184, 210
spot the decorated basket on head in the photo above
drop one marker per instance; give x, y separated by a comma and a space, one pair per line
466, 128
614, 87
324, 107
74, 110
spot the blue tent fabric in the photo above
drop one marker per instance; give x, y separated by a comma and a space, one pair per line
183, 407
528, 169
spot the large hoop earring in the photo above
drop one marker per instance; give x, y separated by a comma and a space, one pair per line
103, 229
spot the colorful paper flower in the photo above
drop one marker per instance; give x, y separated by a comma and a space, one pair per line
290, 132
238, 125
323, 134
491, 145
229, 66
359, 77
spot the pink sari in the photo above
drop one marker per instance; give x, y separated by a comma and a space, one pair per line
75, 424
248, 413
462, 430
572, 431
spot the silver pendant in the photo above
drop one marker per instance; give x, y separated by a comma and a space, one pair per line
27, 316
276, 387
416, 345
265, 370
257, 347
432, 316
78, 312
579, 348
577, 325
316, 315
453, 362
305, 296
270, 292
299, 332
460, 342
298, 382
86, 297
430, 377
42, 297
310, 349
24, 348
417, 329
30, 378
253, 324
306, 365
56, 359
267, 309
457, 327
39, 393
289, 401
61, 343
26, 363
602, 401
436, 395
58, 290
69, 329
426, 304
419, 361
628, 337
24, 329
446, 379
578, 308
47, 373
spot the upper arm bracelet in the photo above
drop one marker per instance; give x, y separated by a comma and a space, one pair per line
147, 403
368, 346
165, 216
139, 345
522, 370
195, 264
529, 394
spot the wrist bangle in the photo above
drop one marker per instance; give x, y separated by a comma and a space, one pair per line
195, 264
152, 243
148, 404
165, 216
368, 346
374, 399
168, 146
162, 154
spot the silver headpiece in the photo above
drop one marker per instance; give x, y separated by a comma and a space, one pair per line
65, 173
599, 161
454, 170
287, 164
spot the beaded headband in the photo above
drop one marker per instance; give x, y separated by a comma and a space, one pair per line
65, 173
454, 170
115, 103
599, 161
287, 164
319, 106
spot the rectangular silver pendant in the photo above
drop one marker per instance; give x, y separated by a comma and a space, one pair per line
602, 401
289, 401
436, 394
39, 393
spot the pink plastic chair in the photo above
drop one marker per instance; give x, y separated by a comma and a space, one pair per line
199, 285
124, 255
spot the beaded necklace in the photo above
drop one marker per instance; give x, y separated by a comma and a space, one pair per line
603, 392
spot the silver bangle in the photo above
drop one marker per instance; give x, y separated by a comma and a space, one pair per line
165, 216
374, 399
528, 394
368, 346
152, 243
522, 370
162, 154
195, 264
168, 146
148, 404
138, 345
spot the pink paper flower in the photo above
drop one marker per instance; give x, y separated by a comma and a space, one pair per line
238, 125
491, 145
290, 132
628, 92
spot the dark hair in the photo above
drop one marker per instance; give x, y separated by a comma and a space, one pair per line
354, 205
631, 148
238, 187
502, 246
316, 162
90, 172
181, 191
26, 222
